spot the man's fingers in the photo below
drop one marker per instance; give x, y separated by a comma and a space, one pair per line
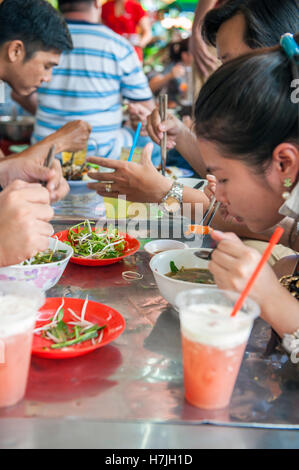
35, 193
44, 229
42, 212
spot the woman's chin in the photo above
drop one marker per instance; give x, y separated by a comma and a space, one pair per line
261, 226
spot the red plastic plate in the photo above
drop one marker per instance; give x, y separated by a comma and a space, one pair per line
133, 245
95, 312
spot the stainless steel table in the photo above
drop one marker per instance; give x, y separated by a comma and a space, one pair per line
129, 394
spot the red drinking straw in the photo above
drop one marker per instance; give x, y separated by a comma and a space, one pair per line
273, 241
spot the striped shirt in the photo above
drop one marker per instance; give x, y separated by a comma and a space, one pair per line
90, 83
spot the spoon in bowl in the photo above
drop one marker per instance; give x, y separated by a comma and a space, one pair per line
205, 254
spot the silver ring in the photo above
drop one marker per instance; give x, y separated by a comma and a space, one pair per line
108, 187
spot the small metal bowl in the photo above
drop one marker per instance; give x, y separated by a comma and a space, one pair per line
17, 130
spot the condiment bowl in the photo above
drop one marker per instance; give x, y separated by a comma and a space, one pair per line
169, 287
158, 246
42, 276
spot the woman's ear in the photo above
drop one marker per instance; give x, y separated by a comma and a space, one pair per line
286, 159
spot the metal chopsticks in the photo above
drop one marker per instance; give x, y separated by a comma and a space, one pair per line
210, 212
163, 104
49, 160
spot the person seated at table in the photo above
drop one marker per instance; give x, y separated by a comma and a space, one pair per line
237, 25
174, 79
32, 37
247, 134
91, 81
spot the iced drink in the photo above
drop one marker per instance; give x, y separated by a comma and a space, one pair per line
213, 344
17, 318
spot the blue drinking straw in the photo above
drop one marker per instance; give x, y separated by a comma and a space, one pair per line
135, 141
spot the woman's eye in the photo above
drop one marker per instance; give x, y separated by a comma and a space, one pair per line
222, 181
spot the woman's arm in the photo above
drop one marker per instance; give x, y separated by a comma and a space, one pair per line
232, 265
203, 59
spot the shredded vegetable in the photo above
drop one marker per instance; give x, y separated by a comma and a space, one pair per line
73, 332
47, 256
93, 244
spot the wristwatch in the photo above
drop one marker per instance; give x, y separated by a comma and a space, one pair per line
172, 201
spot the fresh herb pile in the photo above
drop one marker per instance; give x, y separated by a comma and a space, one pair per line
71, 333
93, 244
45, 257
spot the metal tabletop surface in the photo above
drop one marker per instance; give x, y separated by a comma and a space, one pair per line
129, 394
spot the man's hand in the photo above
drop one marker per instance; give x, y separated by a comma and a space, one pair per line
140, 182
24, 221
30, 168
139, 113
172, 126
72, 137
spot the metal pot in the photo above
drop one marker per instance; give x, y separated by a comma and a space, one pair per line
17, 130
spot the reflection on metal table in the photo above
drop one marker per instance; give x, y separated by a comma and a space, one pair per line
130, 393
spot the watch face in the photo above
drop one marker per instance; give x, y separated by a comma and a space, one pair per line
172, 204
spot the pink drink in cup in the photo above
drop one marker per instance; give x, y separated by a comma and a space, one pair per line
18, 313
213, 344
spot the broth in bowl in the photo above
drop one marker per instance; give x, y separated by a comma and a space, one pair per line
196, 275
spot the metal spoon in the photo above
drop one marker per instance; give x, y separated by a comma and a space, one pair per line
204, 254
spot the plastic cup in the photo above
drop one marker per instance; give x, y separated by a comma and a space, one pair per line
213, 344
19, 307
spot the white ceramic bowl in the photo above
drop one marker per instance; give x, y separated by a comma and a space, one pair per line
170, 288
42, 276
157, 246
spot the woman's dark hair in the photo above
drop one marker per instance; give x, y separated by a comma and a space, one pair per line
177, 48
266, 20
36, 23
248, 107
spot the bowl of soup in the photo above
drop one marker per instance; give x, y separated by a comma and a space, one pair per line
176, 271
42, 271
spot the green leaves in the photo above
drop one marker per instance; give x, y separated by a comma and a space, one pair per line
96, 244
173, 267
66, 335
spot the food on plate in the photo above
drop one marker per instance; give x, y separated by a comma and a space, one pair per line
170, 171
65, 334
196, 275
74, 172
96, 244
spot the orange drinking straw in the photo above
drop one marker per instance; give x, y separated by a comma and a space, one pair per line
273, 241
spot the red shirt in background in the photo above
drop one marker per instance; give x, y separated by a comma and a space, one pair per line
126, 24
